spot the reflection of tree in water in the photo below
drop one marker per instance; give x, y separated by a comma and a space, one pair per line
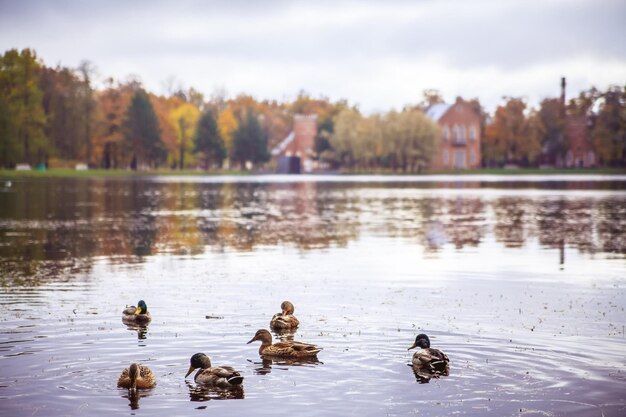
142, 227
54, 228
42, 235
562, 222
273, 214
178, 230
512, 221
611, 225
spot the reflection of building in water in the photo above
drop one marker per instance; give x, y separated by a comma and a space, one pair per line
295, 153
459, 144
248, 215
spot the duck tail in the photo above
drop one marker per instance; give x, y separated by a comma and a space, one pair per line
439, 366
235, 380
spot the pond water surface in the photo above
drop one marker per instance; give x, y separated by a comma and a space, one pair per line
521, 281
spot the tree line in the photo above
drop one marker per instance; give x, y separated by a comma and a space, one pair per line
57, 117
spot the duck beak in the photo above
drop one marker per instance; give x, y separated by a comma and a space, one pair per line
251, 340
284, 312
191, 369
414, 346
138, 311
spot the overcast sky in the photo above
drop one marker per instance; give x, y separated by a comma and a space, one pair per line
376, 54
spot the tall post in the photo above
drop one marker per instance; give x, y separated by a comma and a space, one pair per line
563, 96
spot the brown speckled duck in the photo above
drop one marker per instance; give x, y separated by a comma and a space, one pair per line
136, 376
429, 359
219, 376
285, 320
286, 349
137, 315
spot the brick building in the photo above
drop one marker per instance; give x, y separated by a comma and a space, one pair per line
580, 152
580, 149
459, 144
295, 153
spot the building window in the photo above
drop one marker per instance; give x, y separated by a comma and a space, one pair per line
472, 157
463, 134
591, 159
456, 134
446, 133
446, 157
473, 133
459, 159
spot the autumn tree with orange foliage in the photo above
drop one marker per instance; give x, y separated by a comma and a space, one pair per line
512, 138
112, 104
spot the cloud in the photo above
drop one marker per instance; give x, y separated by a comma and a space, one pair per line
380, 54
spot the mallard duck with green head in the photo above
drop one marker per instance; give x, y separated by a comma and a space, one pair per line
286, 349
137, 315
285, 320
218, 376
136, 377
429, 359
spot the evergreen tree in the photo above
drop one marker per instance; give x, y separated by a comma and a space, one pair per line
250, 140
9, 146
208, 141
142, 132
22, 97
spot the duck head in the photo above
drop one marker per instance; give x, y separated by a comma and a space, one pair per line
199, 360
422, 341
287, 308
142, 308
263, 335
133, 373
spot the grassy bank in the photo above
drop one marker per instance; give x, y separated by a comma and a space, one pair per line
68, 172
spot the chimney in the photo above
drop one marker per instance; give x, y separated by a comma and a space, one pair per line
563, 95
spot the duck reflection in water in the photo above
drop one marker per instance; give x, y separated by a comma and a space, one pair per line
142, 331
202, 392
133, 399
265, 366
428, 363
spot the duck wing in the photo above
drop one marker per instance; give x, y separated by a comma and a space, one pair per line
146, 377
431, 359
284, 322
129, 311
124, 380
295, 349
219, 376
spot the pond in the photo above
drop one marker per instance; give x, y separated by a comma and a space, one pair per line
519, 280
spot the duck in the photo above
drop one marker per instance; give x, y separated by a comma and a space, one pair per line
429, 359
136, 376
219, 376
286, 349
285, 320
137, 315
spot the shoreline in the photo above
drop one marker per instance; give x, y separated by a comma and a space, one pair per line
71, 173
